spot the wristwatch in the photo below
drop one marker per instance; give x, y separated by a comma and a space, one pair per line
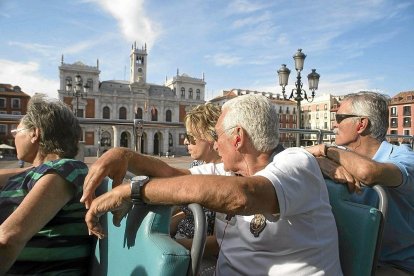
137, 182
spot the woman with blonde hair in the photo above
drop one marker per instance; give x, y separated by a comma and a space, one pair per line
199, 139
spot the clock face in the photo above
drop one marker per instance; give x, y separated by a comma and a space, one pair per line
139, 70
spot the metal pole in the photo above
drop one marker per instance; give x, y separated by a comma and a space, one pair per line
299, 123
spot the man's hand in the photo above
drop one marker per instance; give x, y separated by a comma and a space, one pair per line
116, 201
338, 174
317, 151
114, 164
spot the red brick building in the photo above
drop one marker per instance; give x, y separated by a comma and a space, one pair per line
13, 101
400, 107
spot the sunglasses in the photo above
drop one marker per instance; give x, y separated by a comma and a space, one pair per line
17, 130
214, 134
340, 117
190, 138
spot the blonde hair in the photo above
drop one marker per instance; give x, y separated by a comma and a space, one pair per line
201, 120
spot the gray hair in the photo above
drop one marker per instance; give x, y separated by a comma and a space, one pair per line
257, 116
374, 106
59, 128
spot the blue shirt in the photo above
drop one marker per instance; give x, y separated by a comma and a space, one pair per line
398, 238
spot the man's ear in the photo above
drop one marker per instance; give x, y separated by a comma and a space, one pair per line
362, 125
239, 136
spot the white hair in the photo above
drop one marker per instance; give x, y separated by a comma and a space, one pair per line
257, 116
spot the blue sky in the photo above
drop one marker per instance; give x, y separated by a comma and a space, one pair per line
353, 44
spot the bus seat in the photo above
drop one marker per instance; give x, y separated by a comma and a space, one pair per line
359, 229
142, 244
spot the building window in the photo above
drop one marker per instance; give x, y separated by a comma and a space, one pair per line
294, 110
175, 91
317, 107
168, 116
407, 110
309, 108
90, 84
317, 115
407, 122
198, 94
190, 93
406, 132
2, 102
280, 109
394, 122
182, 92
154, 114
15, 103
325, 125
325, 107
16, 113
106, 113
122, 113
287, 110
3, 129
138, 114
170, 140
393, 132
393, 111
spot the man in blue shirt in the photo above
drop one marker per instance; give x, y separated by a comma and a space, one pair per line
361, 126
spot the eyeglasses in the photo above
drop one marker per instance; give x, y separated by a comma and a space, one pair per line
340, 117
17, 130
215, 135
190, 138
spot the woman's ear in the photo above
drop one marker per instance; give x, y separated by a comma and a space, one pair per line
35, 135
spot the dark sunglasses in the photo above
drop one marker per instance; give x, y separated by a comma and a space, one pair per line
340, 117
190, 138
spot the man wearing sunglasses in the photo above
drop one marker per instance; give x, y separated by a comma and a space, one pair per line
273, 219
367, 158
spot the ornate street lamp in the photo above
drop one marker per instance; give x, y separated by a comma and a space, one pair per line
138, 132
78, 90
298, 94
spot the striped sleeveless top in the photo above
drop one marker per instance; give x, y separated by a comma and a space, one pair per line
63, 246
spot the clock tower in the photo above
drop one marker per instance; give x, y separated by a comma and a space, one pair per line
138, 64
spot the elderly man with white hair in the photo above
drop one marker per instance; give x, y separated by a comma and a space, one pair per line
274, 216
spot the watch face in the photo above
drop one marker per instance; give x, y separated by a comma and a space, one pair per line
139, 178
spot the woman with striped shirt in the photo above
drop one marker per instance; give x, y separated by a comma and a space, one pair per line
41, 220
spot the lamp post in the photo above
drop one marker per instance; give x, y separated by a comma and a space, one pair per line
78, 90
99, 130
138, 131
298, 94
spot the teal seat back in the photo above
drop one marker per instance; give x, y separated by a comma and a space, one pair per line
141, 245
359, 231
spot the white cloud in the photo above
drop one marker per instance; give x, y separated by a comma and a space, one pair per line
224, 59
42, 49
132, 20
26, 76
244, 6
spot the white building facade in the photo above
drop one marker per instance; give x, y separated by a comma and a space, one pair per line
116, 103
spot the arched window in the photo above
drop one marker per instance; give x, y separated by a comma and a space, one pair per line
138, 115
154, 114
122, 113
106, 113
168, 116
182, 92
190, 93
198, 94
